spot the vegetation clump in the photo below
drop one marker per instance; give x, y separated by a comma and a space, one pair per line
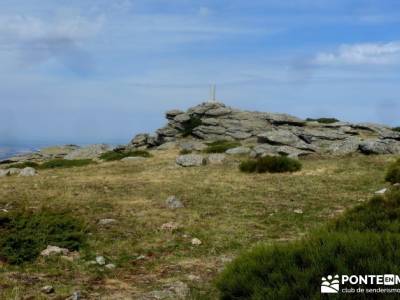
65, 163
185, 151
396, 129
118, 155
393, 173
323, 120
221, 146
24, 234
271, 164
363, 241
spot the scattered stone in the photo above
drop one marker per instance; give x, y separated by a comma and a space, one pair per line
100, 260
175, 291
54, 250
216, 158
110, 266
298, 211
133, 159
26, 172
190, 160
196, 242
173, 202
170, 226
75, 296
381, 192
88, 152
13, 171
104, 222
238, 151
48, 289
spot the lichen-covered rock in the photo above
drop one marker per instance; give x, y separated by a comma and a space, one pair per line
190, 160
216, 158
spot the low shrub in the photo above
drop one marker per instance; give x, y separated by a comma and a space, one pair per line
396, 128
24, 234
190, 125
323, 120
271, 164
221, 146
118, 155
26, 165
363, 241
64, 163
294, 271
393, 173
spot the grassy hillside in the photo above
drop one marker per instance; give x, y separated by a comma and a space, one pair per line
226, 209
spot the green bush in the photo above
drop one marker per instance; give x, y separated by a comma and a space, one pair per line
190, 125
323, 120
393, 173
118, 155
271, 164
26, 165
294, 271
64, 163
363, 241
396, 128
221, 146
24, 234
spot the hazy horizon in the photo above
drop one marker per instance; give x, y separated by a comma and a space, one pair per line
101, 71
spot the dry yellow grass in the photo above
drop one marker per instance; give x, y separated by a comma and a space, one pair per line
227, 210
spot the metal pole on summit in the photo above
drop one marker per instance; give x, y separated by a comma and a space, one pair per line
213, 91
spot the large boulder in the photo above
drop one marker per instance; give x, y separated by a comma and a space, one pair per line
26, 172
283, 137
190, 160
347, 146
279, 119
378, 146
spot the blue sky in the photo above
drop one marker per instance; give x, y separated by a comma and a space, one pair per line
100, 71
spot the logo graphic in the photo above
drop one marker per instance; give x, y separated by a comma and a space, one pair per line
330, 285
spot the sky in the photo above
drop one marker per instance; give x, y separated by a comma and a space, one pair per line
91, 71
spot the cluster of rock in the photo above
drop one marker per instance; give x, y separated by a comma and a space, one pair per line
68, 152
26, 172
268, 133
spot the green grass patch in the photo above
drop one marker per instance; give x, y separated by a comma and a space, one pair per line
118, 155
393, 173
221, 146
185, 151
64, 163
323, 120
24, 234
363, 241
271, 164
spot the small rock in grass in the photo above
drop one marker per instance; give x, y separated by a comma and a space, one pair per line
100, 260
48, 289
110, 266
75, 296
298, 211
170, 226
54, 250
27, 172
190, 160
13, 171
381, 192
173, 202
196, 242
216, 158
103, 222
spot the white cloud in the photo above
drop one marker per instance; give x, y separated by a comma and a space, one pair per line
362, 54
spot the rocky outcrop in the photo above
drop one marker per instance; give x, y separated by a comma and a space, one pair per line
268, 133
